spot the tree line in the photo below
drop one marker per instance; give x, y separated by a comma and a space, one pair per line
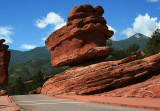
152, 47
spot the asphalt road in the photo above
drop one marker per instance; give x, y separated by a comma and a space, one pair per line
44, 103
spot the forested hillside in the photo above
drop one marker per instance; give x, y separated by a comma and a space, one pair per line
138, 38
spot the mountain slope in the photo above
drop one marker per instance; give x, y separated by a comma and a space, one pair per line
138, 38
23, 56
28, 69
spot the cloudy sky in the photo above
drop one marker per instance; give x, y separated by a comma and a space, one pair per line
25, 24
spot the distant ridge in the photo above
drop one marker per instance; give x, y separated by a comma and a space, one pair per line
23, 56
138, 38
139, 35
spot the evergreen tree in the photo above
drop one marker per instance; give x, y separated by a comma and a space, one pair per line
109, 42
19, 86
133, 48
153, 45
118, 54
38, 80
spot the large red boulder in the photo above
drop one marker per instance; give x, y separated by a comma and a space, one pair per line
82, 38
103, 76
4, 62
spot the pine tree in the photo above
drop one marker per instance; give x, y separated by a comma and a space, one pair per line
109, 42
153, 45
19, 86
133, 48
38, 80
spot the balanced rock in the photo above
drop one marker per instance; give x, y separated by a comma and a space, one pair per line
82, 38
4, 62
103, 76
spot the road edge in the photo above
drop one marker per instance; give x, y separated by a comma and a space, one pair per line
17, 108
103, 102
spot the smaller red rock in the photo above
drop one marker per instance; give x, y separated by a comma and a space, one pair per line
3, 92
36, 91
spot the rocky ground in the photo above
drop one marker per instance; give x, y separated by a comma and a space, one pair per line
6, 104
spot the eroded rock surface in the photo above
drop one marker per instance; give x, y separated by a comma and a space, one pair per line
82, 38
4, 62
101, 77
148, 88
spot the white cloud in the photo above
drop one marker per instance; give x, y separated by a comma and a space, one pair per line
111, 28
152, 0
5, 33
27, 46
59, 26
114, 30
44, 38
143, 24
129, 32
51, 19
41, 23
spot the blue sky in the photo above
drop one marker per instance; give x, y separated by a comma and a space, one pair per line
26, 23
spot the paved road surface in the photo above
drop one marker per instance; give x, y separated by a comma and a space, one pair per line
44, 103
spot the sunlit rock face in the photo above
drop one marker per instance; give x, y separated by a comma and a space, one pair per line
83, 37
103, 76
4, 62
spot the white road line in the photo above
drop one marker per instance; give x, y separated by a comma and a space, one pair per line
49, 103
42, 100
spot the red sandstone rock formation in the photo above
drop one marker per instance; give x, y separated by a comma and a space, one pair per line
100, 77
82, 38
148, 88
3, 92
4, 62
36, 91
